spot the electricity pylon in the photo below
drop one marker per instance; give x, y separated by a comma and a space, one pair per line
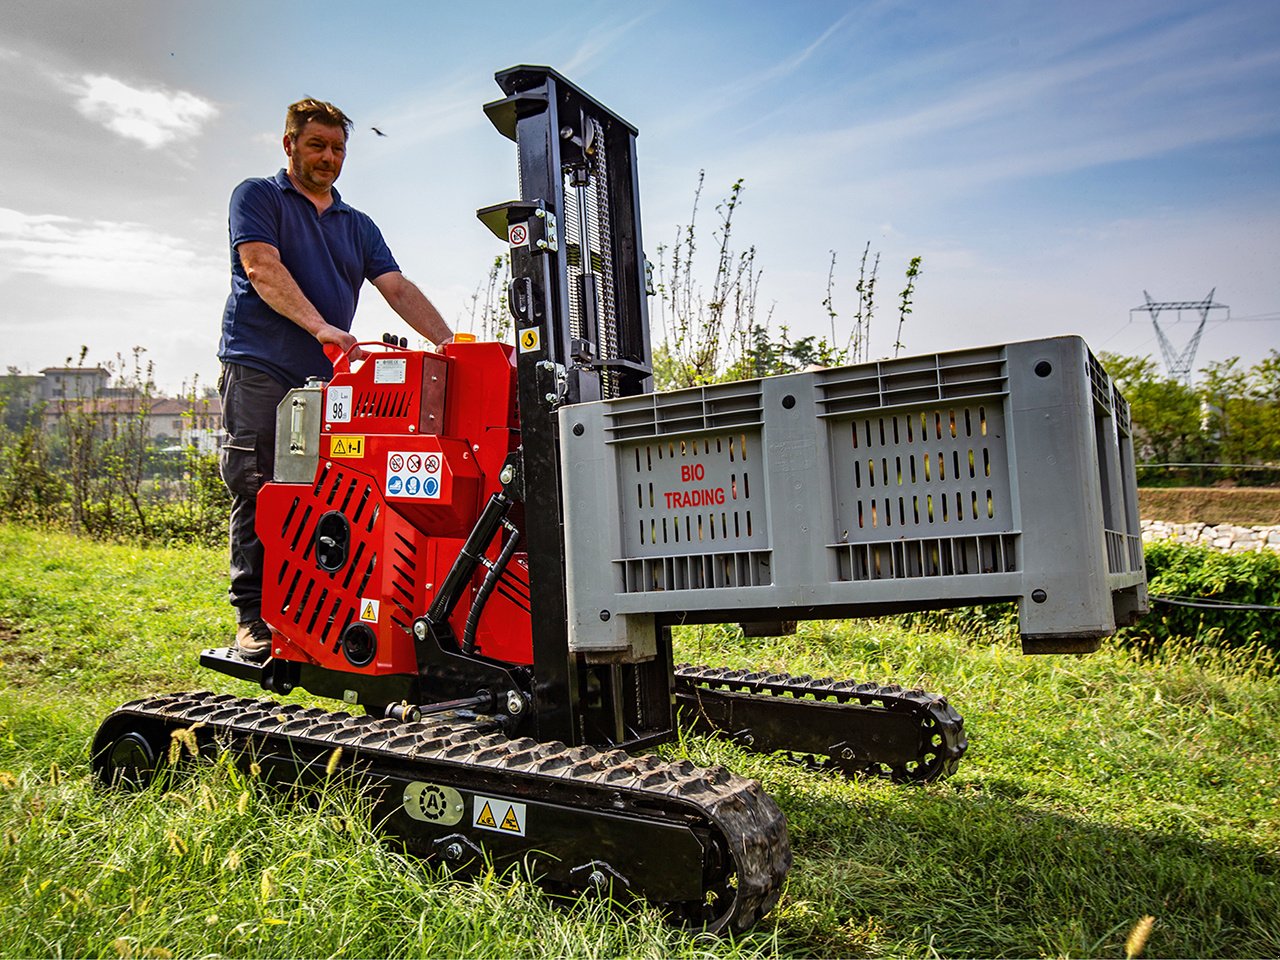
1179, 364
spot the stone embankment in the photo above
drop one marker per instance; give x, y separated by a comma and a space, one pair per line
1223, 536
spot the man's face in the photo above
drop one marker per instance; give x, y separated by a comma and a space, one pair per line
315, 157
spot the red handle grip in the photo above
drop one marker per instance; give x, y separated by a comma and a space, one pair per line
338, 357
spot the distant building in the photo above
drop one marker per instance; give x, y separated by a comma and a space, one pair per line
73, 383
189, 422
19, 393
178, 422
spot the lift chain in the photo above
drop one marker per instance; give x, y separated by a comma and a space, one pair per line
942, 740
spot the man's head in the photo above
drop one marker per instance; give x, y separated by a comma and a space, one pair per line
315, 141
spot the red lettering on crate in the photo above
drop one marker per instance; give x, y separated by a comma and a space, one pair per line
698, 497
691, 472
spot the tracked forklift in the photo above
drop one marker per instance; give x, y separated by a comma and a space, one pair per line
480, 552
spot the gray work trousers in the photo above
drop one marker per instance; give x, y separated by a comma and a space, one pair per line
249, 401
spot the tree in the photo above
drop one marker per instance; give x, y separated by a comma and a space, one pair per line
1228, 425
708, 339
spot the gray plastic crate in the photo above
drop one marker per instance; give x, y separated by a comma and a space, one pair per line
950, 479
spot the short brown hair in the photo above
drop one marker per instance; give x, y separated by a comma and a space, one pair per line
309, 109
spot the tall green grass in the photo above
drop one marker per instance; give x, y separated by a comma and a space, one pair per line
1096, 791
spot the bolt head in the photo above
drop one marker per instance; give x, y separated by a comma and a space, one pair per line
420, 630
453, 851
515, 702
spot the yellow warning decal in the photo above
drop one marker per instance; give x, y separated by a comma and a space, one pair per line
369, 611
350, 447
503, 816
529, 340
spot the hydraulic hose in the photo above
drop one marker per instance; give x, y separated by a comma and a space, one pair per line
487, 587
492, 519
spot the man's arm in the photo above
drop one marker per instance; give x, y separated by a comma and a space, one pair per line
407, 300
276, 286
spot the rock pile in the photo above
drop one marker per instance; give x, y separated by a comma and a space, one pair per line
1224, 536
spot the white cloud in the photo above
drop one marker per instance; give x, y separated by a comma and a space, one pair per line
105, 255
153, 117
598, 40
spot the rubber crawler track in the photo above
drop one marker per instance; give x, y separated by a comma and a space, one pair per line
752, 828
942, 741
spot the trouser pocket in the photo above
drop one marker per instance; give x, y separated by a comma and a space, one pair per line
239, 464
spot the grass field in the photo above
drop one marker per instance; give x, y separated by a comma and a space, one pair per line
1096, 791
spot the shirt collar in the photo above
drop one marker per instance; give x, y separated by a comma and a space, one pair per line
282, 179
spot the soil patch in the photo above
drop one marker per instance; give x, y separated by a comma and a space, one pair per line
1243, 506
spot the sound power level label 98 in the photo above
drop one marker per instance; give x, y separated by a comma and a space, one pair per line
337, 405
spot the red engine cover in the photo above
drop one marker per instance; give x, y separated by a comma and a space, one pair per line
410, 449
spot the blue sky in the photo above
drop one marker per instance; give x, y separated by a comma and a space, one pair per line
1049, 162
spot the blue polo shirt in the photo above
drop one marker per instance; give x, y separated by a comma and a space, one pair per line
329, 254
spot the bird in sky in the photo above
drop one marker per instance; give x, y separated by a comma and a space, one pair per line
377, 131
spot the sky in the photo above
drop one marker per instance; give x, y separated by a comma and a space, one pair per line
1048, 162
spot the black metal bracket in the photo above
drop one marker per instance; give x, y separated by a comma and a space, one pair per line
224, 660
522, 223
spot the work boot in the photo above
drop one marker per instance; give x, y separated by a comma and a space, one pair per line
253, 641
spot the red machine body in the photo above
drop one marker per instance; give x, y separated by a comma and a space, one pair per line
410, 445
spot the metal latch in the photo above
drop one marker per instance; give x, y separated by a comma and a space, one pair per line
559, 381
551, 237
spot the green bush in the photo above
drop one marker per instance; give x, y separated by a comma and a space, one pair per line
1174, 571
1200, 574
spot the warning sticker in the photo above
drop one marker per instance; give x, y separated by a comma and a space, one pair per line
389, 370
501, 816
337, 404
413, 475
368, 610
530, 340
518, 234
350, 447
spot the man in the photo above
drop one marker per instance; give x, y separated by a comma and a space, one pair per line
299, 256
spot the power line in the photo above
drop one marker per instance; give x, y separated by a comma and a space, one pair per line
1255, 318
1207, 604
1233, 466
